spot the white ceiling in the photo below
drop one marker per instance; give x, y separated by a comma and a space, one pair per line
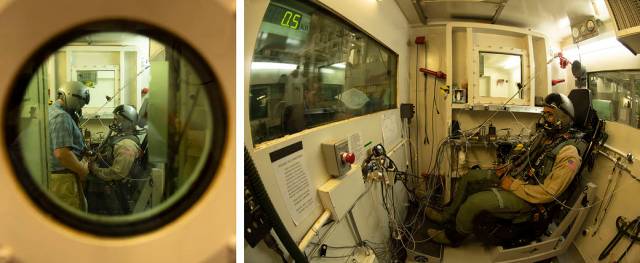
545, 16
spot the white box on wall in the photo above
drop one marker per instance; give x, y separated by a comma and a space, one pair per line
339, 194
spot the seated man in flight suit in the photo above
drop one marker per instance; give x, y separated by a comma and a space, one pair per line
110, 187
537, 176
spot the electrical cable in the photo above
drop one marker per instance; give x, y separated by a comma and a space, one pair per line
578, 49
435, 89
262, 197
556, 199
119, 91
633, 241
603, 208
426, 114
518, 121
520, 89
417, 113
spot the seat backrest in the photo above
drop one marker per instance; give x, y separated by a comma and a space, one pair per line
581, 99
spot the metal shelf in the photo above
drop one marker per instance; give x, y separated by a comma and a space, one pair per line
511, 108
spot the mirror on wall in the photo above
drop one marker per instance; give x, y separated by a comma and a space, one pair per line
500, 75
616, 95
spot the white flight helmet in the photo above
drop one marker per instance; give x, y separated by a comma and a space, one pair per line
74, 94
562, 110
125, 117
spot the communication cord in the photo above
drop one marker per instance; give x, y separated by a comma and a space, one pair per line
253, 179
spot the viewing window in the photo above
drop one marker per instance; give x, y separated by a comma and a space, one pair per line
500, 75
310, 68
616, 95
139, 110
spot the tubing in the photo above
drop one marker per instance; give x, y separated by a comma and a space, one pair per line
314, 229
252, 177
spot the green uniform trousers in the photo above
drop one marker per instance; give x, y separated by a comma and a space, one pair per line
479, 191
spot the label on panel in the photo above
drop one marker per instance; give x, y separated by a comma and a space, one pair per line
293, 179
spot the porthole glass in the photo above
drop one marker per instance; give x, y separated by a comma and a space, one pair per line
116, 128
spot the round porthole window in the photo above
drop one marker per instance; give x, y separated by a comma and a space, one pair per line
115, 128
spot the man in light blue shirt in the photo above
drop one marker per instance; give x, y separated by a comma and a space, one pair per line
66, 167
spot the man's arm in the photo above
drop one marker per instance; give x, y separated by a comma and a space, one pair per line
565, 167
125, 153
69, 160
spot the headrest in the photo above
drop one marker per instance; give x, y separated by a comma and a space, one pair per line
581, 99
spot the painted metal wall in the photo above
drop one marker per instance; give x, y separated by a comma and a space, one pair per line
385, 22
604, 53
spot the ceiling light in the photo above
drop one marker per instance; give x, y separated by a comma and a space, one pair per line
565, 22
272, 65
590, 47
600, 8
511, 62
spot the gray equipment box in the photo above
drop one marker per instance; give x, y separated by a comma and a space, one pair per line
332, 152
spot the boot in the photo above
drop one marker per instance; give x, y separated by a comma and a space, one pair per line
435, 215
438, 236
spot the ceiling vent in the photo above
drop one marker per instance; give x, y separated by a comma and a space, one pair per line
626, 15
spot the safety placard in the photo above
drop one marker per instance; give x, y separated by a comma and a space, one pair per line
293, 179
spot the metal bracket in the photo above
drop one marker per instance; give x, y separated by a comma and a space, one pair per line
421, 15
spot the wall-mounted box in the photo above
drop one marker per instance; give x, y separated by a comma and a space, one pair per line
337, 157
339, 194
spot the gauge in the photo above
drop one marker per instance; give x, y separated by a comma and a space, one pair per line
591, 25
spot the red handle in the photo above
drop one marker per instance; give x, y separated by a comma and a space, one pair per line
437, 74
349, 158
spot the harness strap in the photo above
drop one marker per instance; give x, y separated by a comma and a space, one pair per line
500, 201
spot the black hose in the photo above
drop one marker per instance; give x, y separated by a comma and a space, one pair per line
252, 177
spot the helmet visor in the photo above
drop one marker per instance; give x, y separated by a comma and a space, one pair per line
85, 97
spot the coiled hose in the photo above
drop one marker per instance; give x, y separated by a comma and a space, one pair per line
252, 177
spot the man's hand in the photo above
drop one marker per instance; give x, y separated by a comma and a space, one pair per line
506, 182
85, 169
69, 160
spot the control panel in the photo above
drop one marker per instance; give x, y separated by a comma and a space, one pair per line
337, 157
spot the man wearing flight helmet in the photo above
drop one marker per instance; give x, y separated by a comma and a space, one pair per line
116, 164
535, 176
66, 167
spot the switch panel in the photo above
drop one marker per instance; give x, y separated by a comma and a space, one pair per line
337, 157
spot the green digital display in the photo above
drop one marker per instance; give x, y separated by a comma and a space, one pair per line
285, 17
291, 19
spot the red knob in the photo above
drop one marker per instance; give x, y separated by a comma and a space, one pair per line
349, 158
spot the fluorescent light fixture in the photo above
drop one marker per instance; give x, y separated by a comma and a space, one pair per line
339, 65
327, 71
591, 47
511, 62
293, 42
272, 65
600, 8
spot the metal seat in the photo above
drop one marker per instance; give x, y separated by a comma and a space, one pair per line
580, 195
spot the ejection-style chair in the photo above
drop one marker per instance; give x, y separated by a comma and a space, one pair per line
565, 220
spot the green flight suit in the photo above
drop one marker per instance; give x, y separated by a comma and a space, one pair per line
480, 190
